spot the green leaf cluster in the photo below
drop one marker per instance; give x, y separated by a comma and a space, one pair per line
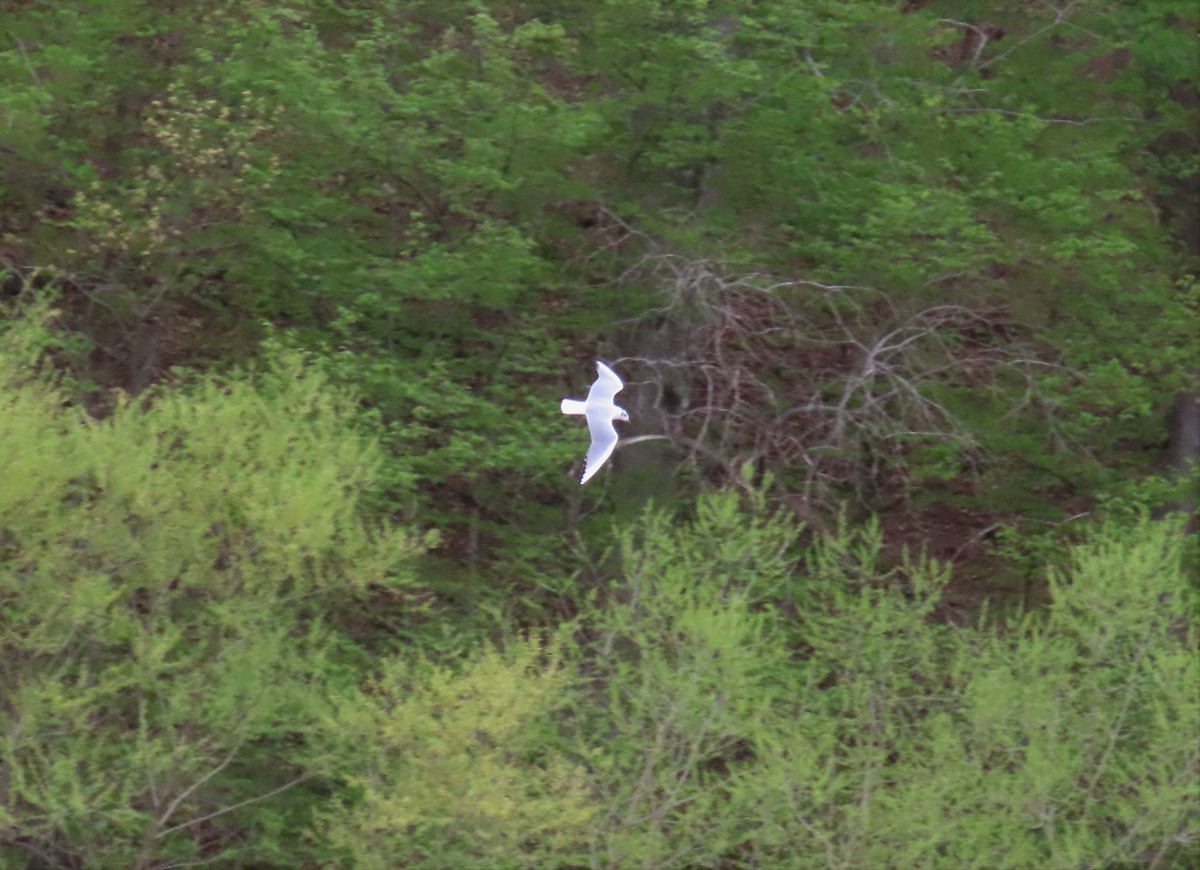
170, 583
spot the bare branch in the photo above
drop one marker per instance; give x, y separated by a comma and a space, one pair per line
829, 388
239, 805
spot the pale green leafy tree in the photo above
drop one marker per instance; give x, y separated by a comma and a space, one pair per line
466, 768
755, 702
170, 580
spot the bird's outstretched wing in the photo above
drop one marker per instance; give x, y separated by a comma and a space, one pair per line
604, 442
605, 387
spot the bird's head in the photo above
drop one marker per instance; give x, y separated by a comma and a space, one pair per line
620, 413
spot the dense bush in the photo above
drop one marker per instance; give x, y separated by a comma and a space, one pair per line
752, 710
172, 582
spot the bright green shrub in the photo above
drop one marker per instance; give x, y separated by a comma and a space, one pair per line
1063, 741
463, 768
168, 580
752, 709
682, 662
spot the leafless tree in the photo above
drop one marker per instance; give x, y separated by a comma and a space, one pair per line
831, 390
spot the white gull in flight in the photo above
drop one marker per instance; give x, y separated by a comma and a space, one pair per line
600, 412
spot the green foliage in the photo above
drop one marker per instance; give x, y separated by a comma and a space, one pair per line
182, 587
684, 666
1038, 757
465, 767
896, 253
417, 184
759, 710
169, 578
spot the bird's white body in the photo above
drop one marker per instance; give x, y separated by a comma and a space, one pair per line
600, 411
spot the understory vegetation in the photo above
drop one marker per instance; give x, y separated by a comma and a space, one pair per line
894, 568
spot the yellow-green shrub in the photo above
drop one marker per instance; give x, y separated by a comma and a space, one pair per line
166, 576
464, 767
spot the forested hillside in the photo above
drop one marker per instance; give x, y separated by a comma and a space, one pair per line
894, 567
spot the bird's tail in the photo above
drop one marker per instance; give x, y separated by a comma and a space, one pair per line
574, 406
